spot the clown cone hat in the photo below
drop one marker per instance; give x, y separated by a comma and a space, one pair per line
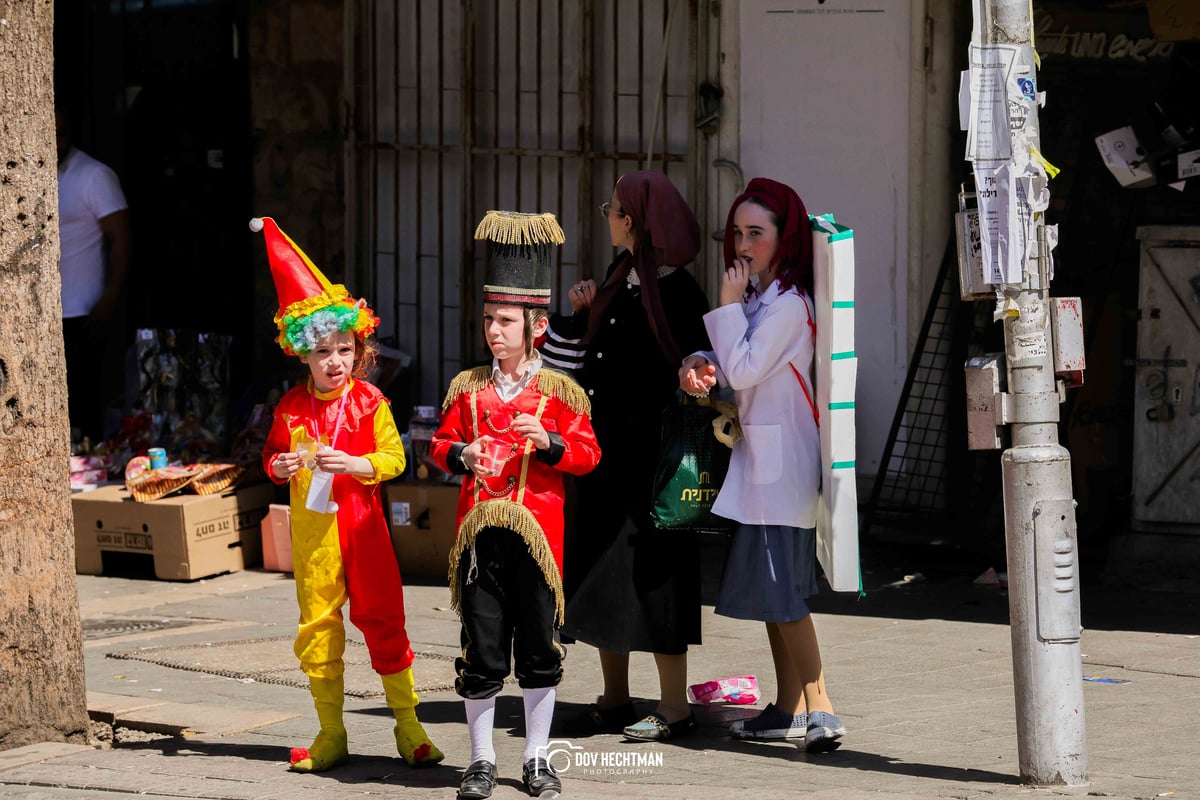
310, 307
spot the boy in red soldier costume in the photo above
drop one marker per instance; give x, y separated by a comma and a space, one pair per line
334, 440
506, 563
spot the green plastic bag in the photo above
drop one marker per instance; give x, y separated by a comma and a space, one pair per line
691, 468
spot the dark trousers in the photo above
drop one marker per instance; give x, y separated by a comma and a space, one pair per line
507, 615
85, 345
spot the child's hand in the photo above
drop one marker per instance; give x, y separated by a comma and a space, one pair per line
337, 462
532, 429
474, 456
734, 282
285, 466
697, 376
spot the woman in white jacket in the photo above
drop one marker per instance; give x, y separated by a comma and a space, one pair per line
763, 339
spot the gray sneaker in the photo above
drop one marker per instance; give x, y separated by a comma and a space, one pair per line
824, 730
771, 724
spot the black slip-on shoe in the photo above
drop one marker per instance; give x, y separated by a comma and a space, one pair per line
538, 777
478, 781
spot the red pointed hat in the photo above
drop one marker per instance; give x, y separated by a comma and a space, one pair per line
304, 290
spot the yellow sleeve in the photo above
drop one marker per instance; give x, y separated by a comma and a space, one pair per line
388, 458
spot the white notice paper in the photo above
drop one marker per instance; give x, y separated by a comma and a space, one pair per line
988, 128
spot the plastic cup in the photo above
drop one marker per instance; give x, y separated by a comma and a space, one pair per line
308, 454
494, 455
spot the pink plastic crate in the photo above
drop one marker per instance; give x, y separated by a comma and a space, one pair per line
277, 538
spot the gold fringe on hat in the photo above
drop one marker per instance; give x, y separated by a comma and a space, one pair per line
513, 227
514, 517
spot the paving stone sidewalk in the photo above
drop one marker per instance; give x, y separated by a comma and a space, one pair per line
920, 670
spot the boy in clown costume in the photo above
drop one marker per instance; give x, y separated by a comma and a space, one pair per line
334, 440
512, 429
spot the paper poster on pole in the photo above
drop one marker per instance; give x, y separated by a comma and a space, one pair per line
988, 137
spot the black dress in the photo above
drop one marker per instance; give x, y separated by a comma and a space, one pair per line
628, 586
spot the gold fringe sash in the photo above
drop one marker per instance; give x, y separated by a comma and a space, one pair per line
515, 517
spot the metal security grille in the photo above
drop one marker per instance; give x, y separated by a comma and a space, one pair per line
522, 105
927, 477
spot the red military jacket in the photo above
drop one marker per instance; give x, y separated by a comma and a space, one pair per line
528, 494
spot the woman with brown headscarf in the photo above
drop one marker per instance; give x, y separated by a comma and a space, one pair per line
630, 587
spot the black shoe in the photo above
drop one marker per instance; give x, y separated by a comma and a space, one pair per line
478, 781
539, 777
608, 720
655, 728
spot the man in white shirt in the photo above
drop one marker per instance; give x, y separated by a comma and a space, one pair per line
93, 224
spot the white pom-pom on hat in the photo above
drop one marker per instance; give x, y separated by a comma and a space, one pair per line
256, 224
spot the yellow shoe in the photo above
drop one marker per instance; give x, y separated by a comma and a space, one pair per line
330, 748
413, 745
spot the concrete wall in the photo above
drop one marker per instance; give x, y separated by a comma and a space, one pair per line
824, 107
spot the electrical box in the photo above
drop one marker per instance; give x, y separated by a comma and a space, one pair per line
985, 377
972, 285
1066, 324
1056, 569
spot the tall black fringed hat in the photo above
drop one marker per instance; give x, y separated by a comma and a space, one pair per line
519, 253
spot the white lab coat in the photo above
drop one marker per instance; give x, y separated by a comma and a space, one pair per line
774, 472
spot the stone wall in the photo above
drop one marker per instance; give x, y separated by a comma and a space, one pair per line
296, 96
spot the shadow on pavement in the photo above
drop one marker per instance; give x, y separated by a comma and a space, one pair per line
918, 578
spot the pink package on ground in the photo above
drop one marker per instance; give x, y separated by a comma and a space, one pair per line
741, 691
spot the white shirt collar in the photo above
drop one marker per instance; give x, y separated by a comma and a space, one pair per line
508, 389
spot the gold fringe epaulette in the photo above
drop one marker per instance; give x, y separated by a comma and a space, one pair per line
469, 380
513, 227
514, 517
563, 388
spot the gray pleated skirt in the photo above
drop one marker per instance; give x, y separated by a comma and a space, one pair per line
769, 572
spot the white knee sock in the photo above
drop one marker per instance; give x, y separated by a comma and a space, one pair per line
481, 718
539, 713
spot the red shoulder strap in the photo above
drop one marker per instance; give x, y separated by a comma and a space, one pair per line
812, 327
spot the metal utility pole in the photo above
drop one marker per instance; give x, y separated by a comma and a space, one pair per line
1039, 512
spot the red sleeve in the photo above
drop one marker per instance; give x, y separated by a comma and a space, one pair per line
452, 431
581, 450
279, 440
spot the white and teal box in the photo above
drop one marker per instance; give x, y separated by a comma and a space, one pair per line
836, 375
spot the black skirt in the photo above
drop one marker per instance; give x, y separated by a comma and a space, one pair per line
629, 586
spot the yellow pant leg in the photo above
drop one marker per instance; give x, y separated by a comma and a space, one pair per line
320, 593
321, 636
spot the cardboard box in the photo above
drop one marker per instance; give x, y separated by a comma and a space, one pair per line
277, 538
190, 536
423, 522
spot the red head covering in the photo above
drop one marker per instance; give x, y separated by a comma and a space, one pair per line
668, 234
794, 254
